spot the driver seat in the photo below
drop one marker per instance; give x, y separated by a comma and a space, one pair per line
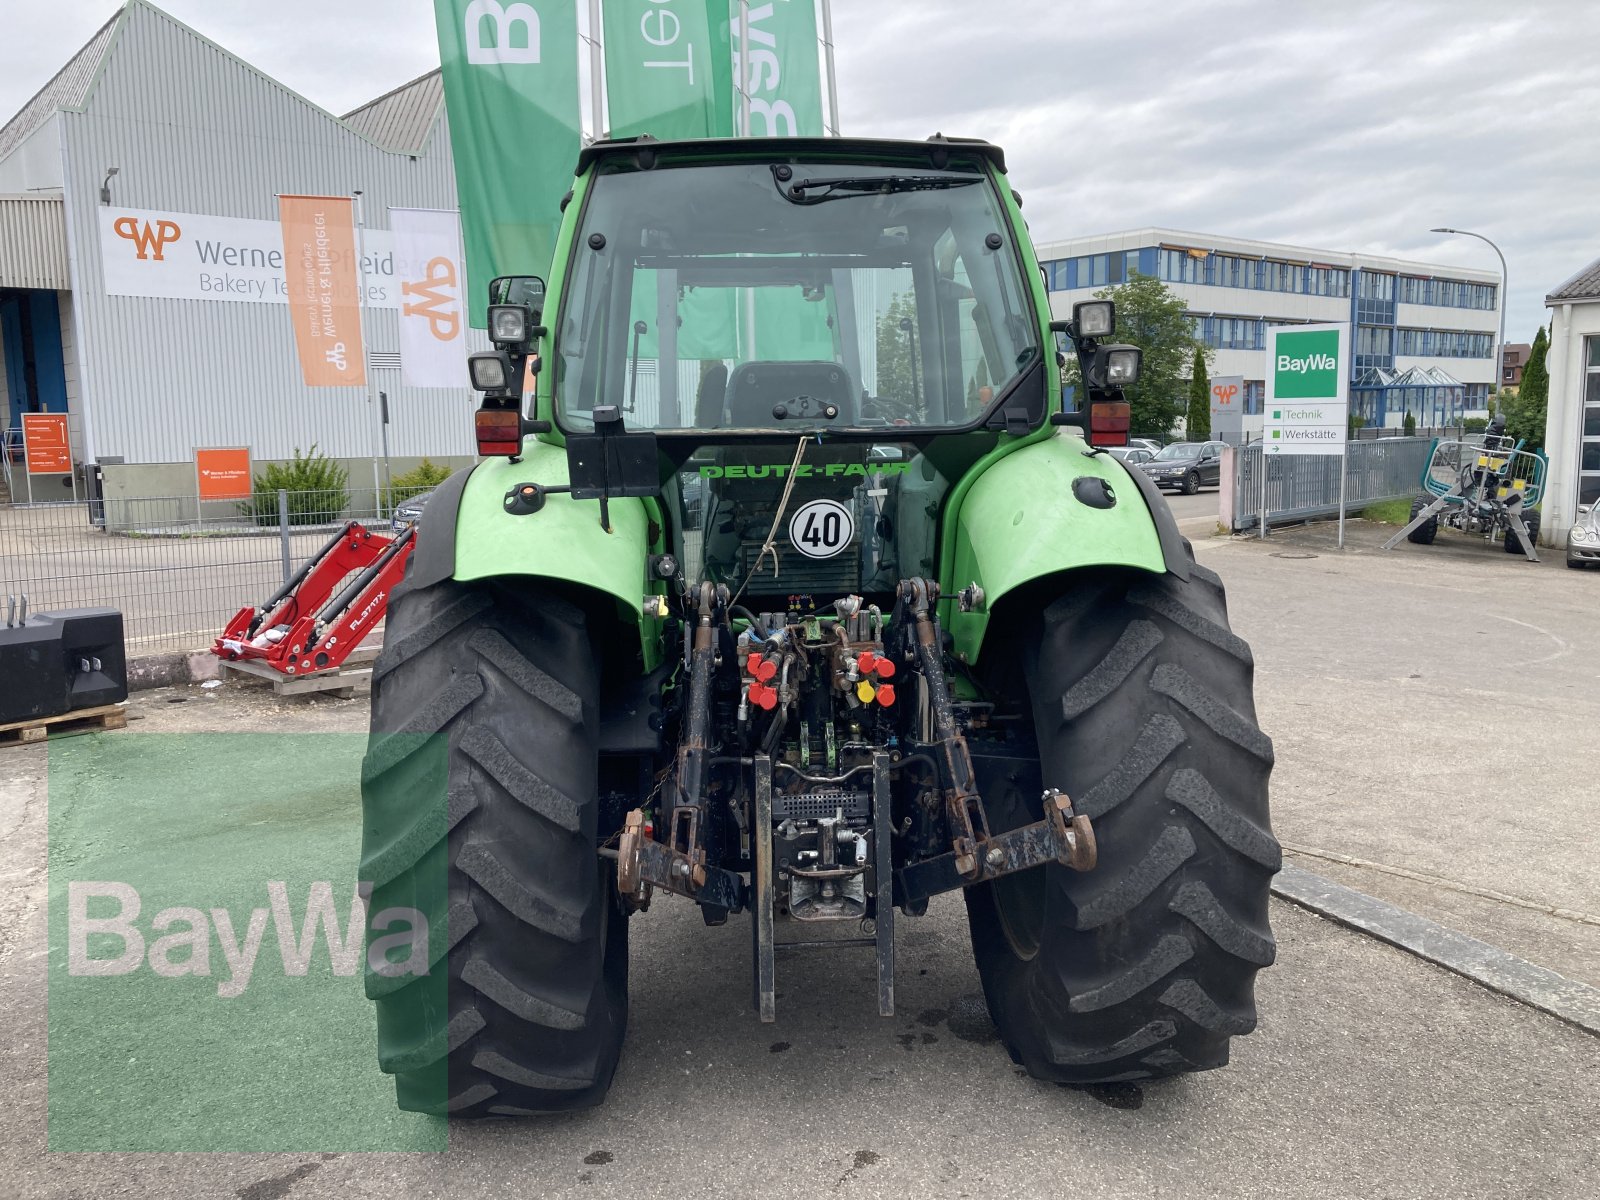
755, 388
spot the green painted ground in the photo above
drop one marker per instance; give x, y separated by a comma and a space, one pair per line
182, 1050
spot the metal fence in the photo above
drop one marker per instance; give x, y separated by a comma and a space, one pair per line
175, 568
1300, 486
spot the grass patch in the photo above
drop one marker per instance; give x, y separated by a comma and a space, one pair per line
1389, 512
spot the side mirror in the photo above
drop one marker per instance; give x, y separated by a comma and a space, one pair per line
527, 290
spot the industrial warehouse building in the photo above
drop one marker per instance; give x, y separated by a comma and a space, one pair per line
1572, 424
1424, 333
138, 236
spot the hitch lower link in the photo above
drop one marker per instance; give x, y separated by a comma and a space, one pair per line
1062, 837
977, 854
644, 865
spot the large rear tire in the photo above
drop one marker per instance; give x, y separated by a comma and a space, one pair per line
480, 807
1145, 965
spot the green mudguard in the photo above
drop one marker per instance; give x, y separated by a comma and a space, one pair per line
1021, 518
563, 541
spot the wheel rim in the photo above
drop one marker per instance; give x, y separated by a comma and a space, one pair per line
1020, 902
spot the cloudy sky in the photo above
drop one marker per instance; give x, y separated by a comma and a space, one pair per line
1344, 126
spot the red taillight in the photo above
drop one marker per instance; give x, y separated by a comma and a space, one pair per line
499, 431
1108, 423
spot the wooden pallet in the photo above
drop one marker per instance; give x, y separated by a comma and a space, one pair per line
83, 720
341, 684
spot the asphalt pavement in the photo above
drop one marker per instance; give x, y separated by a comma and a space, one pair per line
1432, 715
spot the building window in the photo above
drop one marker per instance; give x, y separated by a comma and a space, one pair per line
1589, 439
1447, 293
1375, 285
1444, 343
1375, 339
1231, 333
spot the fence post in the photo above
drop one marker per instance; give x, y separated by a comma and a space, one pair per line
283, 532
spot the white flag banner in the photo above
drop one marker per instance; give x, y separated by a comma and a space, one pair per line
429, 269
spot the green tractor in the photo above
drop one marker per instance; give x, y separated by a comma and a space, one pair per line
798, 594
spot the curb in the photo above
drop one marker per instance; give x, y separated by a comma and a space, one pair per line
1198, 527
167, 670
1538, 987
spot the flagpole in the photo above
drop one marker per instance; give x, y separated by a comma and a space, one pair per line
366, 357
597, 71
743, 82
827, 53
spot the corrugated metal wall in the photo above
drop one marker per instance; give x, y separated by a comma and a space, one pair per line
33, 242
194, 130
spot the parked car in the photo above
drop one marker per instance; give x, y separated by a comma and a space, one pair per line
1186, 466
1131, 455
1150, 444
409, 510
1583, 539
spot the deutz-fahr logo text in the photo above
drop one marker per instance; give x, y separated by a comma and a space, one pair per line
149, 238
803, 471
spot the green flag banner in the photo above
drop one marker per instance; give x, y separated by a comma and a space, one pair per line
511, 94
669, 68
784, 77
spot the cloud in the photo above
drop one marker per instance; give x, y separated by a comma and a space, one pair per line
1350, 126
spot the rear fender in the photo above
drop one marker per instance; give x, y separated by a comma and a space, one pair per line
466, 534
1038, 508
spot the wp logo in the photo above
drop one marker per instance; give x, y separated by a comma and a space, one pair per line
435, 297
150, 240
1224, 393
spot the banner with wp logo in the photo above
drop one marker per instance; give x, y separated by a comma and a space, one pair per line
511, 92
432, 298
321, 272
213, 938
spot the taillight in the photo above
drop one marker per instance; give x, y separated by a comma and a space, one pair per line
499, 431
1108, 423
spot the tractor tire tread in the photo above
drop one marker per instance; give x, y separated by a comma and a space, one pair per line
481, 810
1145, 965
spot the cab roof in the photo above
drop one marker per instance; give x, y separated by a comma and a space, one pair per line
935, 151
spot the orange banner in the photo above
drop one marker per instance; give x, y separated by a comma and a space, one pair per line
45, 443
223, 474
319, 261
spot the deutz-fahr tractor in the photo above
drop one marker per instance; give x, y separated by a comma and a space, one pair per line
796, 592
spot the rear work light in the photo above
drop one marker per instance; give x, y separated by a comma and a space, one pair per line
1108, 423
499, 431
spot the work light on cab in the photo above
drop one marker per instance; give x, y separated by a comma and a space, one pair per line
510, 324
1094, 318
1122, 365
490, 370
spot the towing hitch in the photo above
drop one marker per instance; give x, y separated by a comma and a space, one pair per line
1062, 836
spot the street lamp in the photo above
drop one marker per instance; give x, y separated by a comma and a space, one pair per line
1500, 346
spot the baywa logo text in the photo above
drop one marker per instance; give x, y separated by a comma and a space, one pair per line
1304, 366
149, 238
178, 940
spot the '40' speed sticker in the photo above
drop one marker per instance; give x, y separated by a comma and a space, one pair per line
821, 528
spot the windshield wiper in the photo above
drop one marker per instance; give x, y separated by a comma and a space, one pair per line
847, 186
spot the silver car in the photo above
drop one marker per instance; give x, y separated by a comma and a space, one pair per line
1583, 539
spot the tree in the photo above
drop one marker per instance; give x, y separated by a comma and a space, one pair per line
1151, 317
1409, 425
1526, 411
1198, 427
897, 372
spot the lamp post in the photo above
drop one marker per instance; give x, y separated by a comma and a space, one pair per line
1500, 346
